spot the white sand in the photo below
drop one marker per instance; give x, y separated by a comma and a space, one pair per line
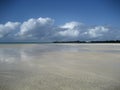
60, 67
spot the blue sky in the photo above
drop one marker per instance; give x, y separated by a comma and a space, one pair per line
91, 13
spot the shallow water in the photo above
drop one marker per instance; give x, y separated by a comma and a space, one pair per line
59, 67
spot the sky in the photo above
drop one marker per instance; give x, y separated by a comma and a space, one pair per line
51, 20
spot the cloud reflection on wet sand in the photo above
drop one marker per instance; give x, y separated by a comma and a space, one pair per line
59, 67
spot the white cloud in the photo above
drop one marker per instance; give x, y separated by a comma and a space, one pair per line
34, 28
43, 29
97, 31
70, 33
9, 27
70, 29
71, 25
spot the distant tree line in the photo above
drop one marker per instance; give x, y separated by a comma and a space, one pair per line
77, 41
106, 41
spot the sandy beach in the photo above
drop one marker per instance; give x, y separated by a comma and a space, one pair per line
60, 67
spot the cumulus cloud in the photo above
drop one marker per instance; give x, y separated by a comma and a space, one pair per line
8, 28
70, 29
44, 29
35, 28
97, 31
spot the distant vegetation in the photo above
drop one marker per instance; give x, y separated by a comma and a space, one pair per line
107, 41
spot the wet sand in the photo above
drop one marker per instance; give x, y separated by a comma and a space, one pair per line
60, 67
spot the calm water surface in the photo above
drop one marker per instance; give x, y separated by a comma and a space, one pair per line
60, 67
